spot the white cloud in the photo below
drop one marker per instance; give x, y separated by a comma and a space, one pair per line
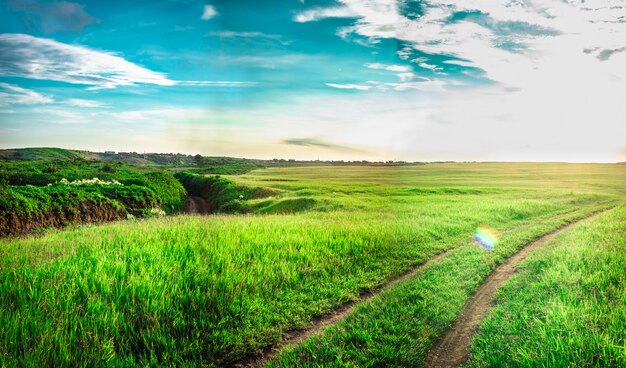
31, 57
316, 14
375, 17
467, 64
391, 68
208, 12
424, 85
405, 77
40, 58
422, 63
556, 96
84, 103
15, 95
359, 87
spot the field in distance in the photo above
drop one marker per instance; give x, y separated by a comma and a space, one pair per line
215, 290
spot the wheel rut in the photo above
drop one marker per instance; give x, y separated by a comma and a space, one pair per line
318, 323
458, 341
452, 348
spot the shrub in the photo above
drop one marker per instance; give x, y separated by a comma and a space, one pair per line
41, 193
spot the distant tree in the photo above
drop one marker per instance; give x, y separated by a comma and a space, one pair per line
198, 159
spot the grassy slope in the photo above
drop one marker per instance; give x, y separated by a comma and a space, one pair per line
566, 307
176, 161
34, 196
210, 290
42, 153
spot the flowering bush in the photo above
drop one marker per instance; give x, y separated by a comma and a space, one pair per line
94, 181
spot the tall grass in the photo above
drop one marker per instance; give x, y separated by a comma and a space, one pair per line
567, 305
398, 327
206, 291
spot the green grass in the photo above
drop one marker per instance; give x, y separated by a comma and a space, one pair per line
210, 290
166, 190
221, 194
566, 307
33, 194
398, 327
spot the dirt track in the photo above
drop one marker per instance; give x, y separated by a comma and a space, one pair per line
452, 349
294, 337
197, 205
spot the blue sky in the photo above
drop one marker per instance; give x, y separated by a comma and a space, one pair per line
350, 79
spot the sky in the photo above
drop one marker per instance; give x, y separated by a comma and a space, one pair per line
437, 80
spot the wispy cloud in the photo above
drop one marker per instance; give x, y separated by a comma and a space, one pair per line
359, 87
506, 40
217, 83
250, 35
58, 16
422, 63
40, 58
63, 116
270, 61
408, 81
76, 102
424, 84
208, 12
31, 57
320, 143
15, 95
604, 55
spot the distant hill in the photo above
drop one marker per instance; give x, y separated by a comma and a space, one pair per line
44, 153
173, 161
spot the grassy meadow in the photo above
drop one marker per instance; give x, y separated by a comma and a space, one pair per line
566, 307
210, 290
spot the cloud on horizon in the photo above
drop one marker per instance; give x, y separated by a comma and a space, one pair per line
320, 143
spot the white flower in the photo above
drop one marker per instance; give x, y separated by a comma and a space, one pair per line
157, 212
94, 181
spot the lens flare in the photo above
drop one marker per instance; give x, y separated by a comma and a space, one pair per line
486, 237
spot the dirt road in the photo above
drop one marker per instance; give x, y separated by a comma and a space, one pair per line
452, 349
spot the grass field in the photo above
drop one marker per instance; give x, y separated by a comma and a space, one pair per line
208, 291
567, 307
